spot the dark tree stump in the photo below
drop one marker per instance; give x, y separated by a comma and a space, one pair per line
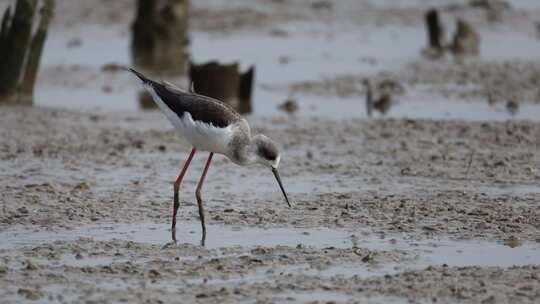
466, 40
245, 91
217, 81
160, 35
20, 52
224, 82
146, 101
435, 30
26, 92
17, 35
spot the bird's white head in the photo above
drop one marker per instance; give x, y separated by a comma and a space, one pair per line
267, 154
266, 151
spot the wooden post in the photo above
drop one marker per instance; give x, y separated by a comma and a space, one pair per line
220, 81
4, 31
26, 92
224, 82
435, 30
466, 40
245, 91
160, 35
14, 48
20, 52
159, 39
146, 101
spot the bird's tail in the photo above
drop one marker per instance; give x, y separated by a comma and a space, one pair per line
143, 78
153, 84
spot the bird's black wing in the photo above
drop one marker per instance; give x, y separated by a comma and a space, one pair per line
200, 107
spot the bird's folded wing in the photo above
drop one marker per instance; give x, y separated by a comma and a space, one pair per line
201, 108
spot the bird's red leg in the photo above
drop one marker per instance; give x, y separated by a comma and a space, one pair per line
199, 200
177, 183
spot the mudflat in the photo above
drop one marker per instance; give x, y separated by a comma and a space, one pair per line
411, 206
387, 210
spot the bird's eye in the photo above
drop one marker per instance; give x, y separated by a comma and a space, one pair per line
268, 152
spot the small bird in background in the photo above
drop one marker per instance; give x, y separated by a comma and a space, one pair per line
210, 125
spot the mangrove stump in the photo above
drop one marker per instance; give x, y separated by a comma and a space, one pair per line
224, 82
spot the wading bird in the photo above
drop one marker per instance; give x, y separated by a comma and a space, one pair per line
212, 126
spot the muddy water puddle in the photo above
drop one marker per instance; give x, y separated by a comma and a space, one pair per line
427, 252
315, 296
259, 257
333, 297
218, 236
75, 261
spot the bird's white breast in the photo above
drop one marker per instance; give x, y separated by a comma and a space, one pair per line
205, 136
201, 135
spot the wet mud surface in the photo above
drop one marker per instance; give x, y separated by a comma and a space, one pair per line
395, 209
379, 207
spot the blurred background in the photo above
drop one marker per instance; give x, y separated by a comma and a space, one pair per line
470, 59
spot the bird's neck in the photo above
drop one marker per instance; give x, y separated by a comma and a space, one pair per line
245, 154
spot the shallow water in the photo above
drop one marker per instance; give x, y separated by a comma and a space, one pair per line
317, 296
406, 107
312, 51
430, 252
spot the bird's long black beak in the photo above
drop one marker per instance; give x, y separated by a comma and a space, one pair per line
276, 174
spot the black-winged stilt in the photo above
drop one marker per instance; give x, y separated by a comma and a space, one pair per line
210, 125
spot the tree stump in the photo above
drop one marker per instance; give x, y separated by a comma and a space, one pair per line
26, 92
160, 35
146, 101
224, 82
435, 30
20, 51
245, 91
466, 40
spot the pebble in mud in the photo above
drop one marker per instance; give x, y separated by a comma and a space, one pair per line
290, 106
30, 294
513, 242
30, 265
